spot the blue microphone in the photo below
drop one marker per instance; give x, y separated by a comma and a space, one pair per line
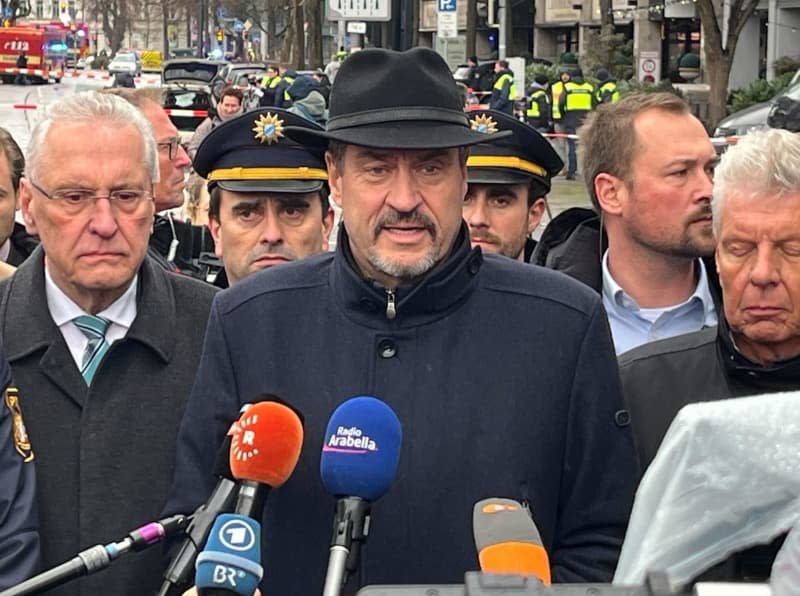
359, 462
231, 561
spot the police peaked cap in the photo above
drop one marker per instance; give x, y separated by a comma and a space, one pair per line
523, 156
395, 100
251, 153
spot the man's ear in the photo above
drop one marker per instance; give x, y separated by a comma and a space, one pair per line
24, 198
327, 227
334, 180
611, 193
214, 228
535, 213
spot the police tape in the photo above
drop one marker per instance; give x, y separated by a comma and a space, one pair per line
35, 72
186, 113
169, 111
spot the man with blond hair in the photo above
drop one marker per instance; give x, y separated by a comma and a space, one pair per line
648, 165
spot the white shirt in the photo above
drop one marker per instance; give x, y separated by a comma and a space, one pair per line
121, 313
632, 325
5, 250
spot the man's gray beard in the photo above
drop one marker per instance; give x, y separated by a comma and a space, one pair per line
403, 272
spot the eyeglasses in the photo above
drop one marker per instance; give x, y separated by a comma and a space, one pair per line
75, 201
171, 146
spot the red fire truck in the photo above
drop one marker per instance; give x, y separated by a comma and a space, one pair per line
44, 47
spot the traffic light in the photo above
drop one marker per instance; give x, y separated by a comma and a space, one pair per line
220, 35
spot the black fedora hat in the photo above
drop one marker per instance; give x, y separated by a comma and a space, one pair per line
395, 100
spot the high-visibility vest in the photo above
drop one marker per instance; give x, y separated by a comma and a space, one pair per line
556, 90
512, 89
579, 97
266, 81
610, 87
533, 108
289, 81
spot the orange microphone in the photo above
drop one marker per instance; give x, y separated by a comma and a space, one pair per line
507, 540
265, 446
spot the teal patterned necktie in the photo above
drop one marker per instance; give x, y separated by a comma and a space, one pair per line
94, 328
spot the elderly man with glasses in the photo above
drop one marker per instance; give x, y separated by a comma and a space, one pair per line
103, 343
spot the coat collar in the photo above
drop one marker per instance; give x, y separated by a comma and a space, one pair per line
781, 374
435, 295
29, 327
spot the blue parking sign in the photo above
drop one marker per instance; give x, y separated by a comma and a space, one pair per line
447, 5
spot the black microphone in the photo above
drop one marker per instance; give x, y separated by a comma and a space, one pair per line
99, 557
180, 572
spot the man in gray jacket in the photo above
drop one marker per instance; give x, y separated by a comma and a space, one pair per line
502, 375
102, 342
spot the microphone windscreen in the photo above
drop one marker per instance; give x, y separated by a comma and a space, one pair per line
266, 444
507, 539
361, 449
231, 560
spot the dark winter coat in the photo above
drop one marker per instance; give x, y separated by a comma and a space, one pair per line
104, 454
660, 378
503, 377
22, 245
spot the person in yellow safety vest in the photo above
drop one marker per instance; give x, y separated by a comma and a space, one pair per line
555, 93
268, 83
287, 77
574, 104
607, 91
504, 91
538, 113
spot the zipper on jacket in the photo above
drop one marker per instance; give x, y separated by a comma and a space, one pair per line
391, 308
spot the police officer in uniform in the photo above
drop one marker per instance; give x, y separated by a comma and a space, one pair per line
504, 92
575, 103
607, 90
538, 112
508, 183
268, 195
19, 528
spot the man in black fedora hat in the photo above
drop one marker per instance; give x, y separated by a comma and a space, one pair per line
508, 183
460, 345
268, 195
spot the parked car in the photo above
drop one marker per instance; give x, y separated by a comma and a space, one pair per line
186, 84
181, 53
236, 74
126, 63
755, 116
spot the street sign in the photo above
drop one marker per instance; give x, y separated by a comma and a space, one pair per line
356, 27
359, 10
446, 24
447, 6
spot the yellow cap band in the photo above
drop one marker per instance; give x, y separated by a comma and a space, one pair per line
301, 173
505, 161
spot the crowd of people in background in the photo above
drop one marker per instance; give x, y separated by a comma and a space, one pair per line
124, 364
